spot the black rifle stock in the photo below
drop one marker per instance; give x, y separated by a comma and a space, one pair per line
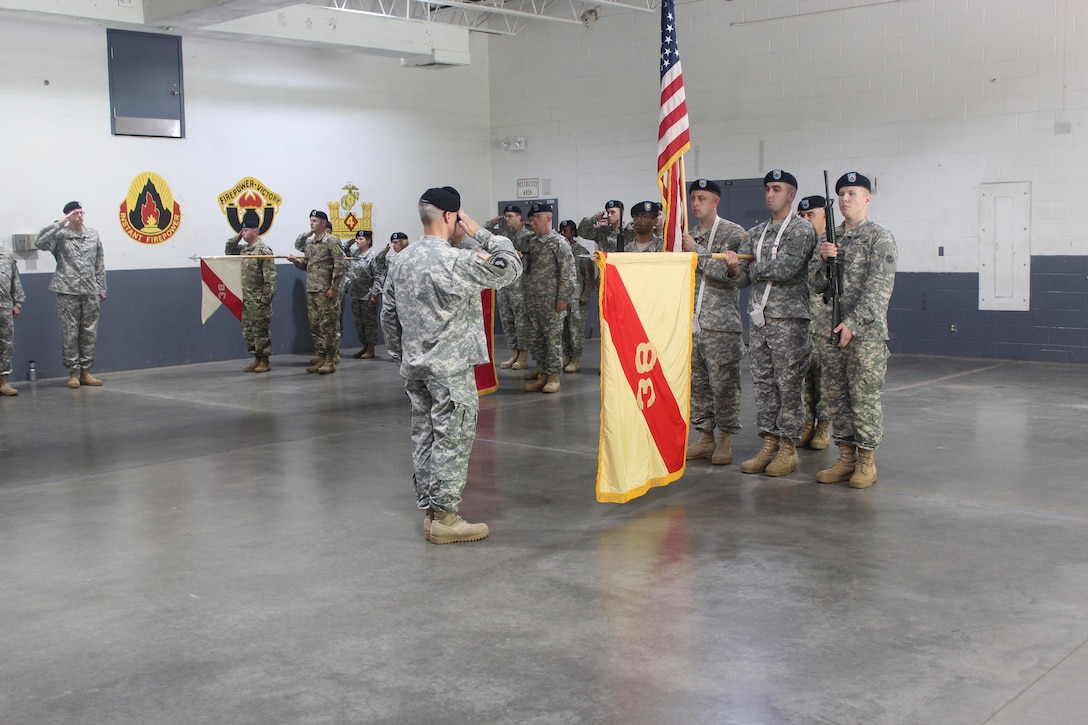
833, 293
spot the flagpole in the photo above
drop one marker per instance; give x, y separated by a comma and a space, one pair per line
195, 258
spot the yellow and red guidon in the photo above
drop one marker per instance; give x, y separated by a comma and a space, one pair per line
646, 307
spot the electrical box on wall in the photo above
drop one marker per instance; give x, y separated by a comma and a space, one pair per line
23, 242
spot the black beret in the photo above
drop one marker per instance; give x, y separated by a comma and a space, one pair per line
705, 185
853, 178
811, 202
250, 220
646, 207
568, 223
319, 214
445, 198
72, 205
397, 235
538, 207
364, 233
614, 204
512, 207
780, 175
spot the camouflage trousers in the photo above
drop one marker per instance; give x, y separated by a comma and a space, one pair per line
546, 338
574, 330
853, 377
779, 354
816, 407
365, 313
256, 321
324, 317
515, 325
715, 381
443, 429
78, 330
7, 340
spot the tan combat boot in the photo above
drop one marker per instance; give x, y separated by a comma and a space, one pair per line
806, 435
763, 458
865, 472
428, 518
536, 385
359, 354
573, 365
551, 385
263, 365
315, 364
447, 528
723, 452
73, 379
821, 436
369, 354
336, 358
842, 469
6, 389
507, 364
703, 447
253, 365
532, 375
522, 362
329, 366
85, 378
785, 461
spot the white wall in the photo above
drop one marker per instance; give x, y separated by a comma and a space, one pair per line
305, 121
931, 98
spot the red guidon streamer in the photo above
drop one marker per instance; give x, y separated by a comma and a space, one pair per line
222, 280
646, 305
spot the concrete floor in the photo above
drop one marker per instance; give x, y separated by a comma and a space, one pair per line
197, 545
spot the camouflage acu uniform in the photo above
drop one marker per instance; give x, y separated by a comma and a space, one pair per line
657, 244
79, 281
432, 318
549, 280
258, 287
816, 407
364, 283
11, 295
324, 265
780, 349
716, 347
607, 237
511, 300
574, 325
853, 376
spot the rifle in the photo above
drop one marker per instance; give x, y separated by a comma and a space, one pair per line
833, 292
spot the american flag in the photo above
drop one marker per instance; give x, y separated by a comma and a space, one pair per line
673, 136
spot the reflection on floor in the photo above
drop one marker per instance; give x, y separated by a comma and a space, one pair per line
198, 545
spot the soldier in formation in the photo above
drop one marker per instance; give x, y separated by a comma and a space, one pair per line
258, 288
644, 223
816, 435
778, 310
364, 283
854, 369
605, 228
549, 286
574, 325
11, 302
80, 284
716, 344
324, 265
511, 299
